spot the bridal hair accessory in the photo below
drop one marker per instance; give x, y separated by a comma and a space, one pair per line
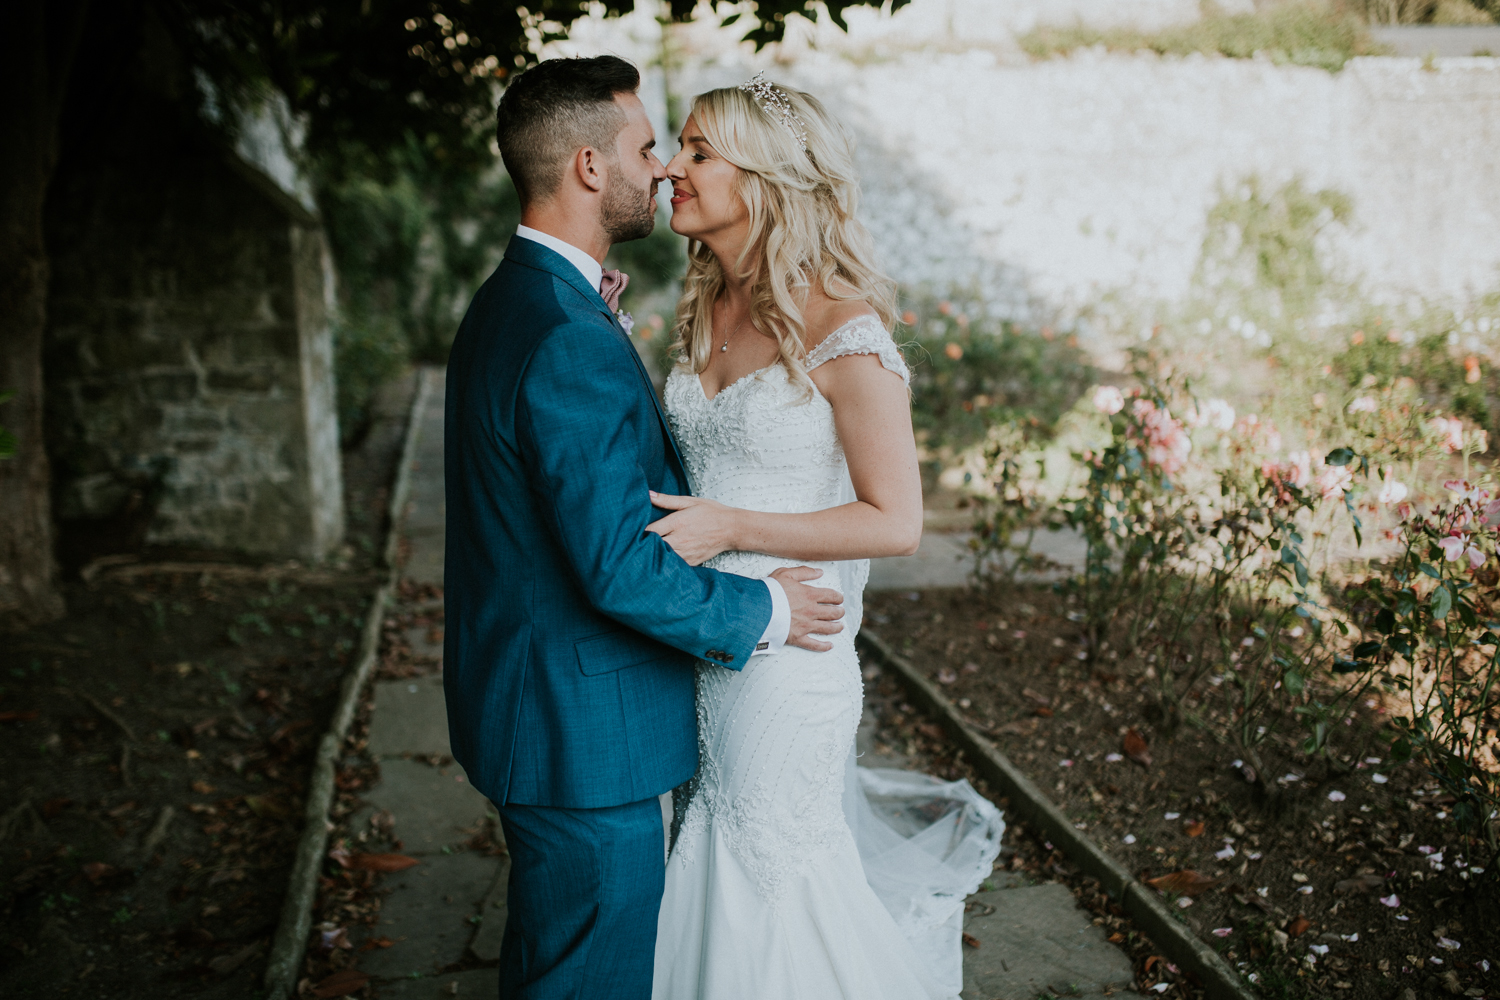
777, 106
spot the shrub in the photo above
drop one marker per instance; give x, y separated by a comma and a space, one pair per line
970, 371
1433, 613
413, 238
368, 351
1301, 33
7, 439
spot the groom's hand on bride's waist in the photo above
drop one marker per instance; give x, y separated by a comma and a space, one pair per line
815, 610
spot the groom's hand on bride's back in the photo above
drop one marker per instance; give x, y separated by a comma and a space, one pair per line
815, 610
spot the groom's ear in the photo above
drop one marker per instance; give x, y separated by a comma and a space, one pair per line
589, 168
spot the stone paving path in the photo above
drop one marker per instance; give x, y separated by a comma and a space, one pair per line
449, 910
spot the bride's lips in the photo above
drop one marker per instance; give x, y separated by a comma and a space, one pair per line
678, 197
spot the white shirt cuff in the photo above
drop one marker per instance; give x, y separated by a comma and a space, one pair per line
780, 628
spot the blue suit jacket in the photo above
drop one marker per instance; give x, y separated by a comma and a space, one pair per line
571, 632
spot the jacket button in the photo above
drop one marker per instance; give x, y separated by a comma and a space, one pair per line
728, 657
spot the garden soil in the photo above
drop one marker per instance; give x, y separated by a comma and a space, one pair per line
154, 749
1348, 881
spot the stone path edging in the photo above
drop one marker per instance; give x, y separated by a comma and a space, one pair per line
1180, 945
290, 942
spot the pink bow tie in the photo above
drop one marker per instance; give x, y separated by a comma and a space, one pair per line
610, 286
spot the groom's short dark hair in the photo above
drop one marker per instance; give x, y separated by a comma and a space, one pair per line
553, 110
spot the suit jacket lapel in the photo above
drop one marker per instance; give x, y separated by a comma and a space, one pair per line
532, 254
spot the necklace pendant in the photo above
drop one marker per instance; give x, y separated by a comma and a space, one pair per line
725, 347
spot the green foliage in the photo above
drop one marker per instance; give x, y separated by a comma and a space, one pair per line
1309, 33
414, 235
1382, 355
654, 264
7, 439
1428, 11
970, 371
1431, 614
1273, 328
375, 71
1263, 247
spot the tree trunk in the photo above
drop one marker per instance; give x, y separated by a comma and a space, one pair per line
36, 54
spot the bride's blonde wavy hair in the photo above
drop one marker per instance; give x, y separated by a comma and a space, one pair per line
803, 233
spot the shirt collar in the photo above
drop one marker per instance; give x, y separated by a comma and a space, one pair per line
591, 269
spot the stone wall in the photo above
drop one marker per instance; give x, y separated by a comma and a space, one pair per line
189, 356
1063, 183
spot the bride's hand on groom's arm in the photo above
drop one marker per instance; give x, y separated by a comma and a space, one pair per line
697, 529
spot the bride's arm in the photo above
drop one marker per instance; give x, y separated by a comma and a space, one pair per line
872, 412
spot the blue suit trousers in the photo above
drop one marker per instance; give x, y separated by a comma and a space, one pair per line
585, 888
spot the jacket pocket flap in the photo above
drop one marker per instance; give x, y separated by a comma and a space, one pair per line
602, 654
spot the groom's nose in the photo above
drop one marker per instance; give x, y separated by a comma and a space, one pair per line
658, 169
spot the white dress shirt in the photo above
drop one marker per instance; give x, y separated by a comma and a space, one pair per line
780, 627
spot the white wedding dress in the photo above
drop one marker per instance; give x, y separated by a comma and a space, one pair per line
795, 874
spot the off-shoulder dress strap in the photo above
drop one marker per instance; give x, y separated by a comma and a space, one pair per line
861, 335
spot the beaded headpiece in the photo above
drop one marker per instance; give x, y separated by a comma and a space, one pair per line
777, 106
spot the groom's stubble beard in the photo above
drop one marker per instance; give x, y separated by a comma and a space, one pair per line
628, 213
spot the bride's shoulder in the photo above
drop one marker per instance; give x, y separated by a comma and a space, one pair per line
850, 329
831, 321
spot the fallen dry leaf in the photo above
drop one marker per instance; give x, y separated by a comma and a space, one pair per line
335, 937
971, 940
1183, 883
1298, 927
1136, 748
1359, 883
341, 984
203, 788
381, 862
1151, 961
376, 942
226, 875
1195, 828
1036, 696
1116, 938
95, 870
18, 716
946, 676
267, 806
225, 964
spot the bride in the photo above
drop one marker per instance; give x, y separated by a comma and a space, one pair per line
794, 874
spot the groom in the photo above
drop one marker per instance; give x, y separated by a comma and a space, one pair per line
572, 633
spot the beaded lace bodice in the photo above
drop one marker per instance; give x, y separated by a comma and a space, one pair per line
763, 444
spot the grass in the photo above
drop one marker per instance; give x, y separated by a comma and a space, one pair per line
1299, 33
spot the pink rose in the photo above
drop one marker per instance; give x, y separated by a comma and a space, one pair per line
1391, 491
1299, 468
1334, 481
1450, 432
1108, 399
